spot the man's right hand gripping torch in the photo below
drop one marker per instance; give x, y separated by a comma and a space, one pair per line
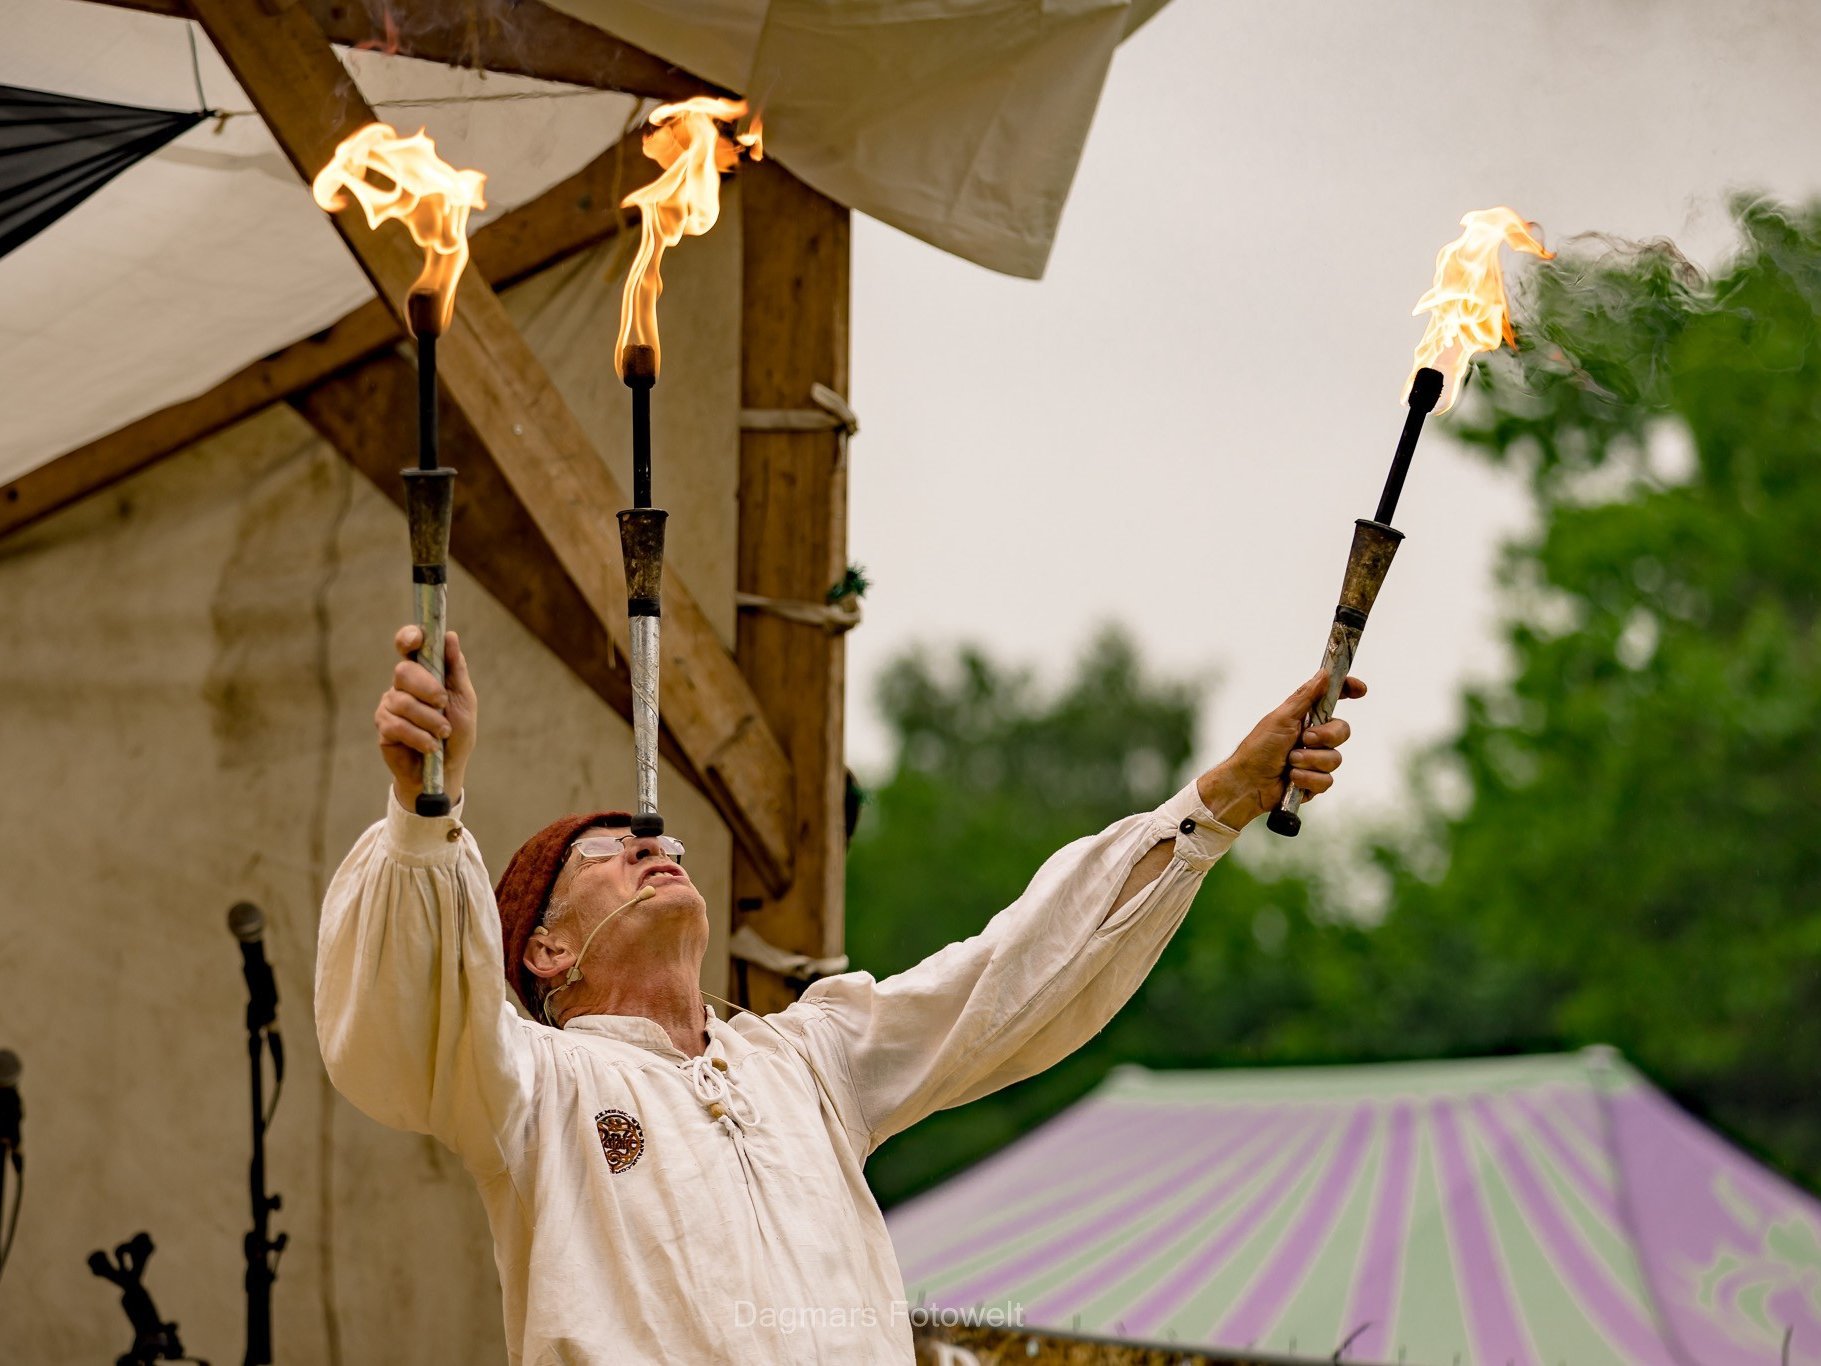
1375, 542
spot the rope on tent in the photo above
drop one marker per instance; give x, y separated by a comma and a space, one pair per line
837, 618
831, 413
202, 100
750, 946
429, 101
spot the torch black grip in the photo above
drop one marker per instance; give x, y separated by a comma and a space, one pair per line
1285, 823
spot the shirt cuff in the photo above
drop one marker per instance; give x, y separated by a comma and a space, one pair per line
416, 839
1200, 838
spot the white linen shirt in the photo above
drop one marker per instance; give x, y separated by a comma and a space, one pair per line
651, 1207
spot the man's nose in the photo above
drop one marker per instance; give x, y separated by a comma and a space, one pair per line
638, 850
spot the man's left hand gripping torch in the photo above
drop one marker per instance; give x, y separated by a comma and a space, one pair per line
429, 502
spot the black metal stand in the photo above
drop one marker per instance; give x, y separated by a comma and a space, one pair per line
262, 1249
7, 1158
154, 1340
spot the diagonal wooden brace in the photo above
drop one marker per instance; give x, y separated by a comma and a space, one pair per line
286, 66
361, 411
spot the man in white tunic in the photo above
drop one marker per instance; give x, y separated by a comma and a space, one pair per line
664, 1185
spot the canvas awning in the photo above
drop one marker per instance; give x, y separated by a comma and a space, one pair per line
961, 123
1549, 1210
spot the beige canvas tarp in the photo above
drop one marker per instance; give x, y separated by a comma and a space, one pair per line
959, 121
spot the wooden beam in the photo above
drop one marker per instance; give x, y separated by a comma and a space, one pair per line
513, 37
565, 219
793, 546
285, 64
361, 412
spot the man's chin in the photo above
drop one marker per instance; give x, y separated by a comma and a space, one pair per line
668, 894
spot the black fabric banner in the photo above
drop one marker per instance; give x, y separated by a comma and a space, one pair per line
56, 151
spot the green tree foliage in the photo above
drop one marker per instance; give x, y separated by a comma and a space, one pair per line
1640, 859
1621, 844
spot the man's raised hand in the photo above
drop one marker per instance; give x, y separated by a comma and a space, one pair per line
1251, 780
417, 715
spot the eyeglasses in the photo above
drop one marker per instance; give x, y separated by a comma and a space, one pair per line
593, 848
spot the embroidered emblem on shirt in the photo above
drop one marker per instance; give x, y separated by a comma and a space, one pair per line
622, 1139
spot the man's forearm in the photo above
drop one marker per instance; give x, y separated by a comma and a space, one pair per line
1146, 871
1231, 802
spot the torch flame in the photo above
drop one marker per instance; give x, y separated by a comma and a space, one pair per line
684, 201
1466, 304
753, 139
431, 197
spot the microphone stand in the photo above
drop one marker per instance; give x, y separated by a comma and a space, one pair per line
9, 1156
262, 1249
12, 1150
154, 1339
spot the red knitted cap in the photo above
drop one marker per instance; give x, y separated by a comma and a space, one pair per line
525, 887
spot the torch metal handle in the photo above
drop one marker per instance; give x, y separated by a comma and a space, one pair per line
432, 601
644, 670
1336, 661
1369, 560
642, 546
429, 506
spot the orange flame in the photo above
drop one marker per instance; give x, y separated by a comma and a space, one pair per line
684, 201
431, 197
1466, 305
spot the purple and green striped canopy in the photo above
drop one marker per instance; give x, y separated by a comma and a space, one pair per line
1538, 1211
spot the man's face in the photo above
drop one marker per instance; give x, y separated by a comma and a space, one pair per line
598, 890
593, 887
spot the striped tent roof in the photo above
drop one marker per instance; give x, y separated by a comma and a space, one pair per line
1527, 1210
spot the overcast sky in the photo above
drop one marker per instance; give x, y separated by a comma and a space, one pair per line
1177, 426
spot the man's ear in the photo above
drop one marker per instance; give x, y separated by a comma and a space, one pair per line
547, 957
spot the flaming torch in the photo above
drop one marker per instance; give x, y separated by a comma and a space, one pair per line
684, 201
433, 199
1468, 314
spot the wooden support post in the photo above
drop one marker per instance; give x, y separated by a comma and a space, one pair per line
285, 64
793, 546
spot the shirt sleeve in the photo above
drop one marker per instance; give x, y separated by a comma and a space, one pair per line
411, 1005
1043, 977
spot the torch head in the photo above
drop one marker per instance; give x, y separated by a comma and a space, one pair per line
1425, 389
639, 365
418, 188
423, 314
